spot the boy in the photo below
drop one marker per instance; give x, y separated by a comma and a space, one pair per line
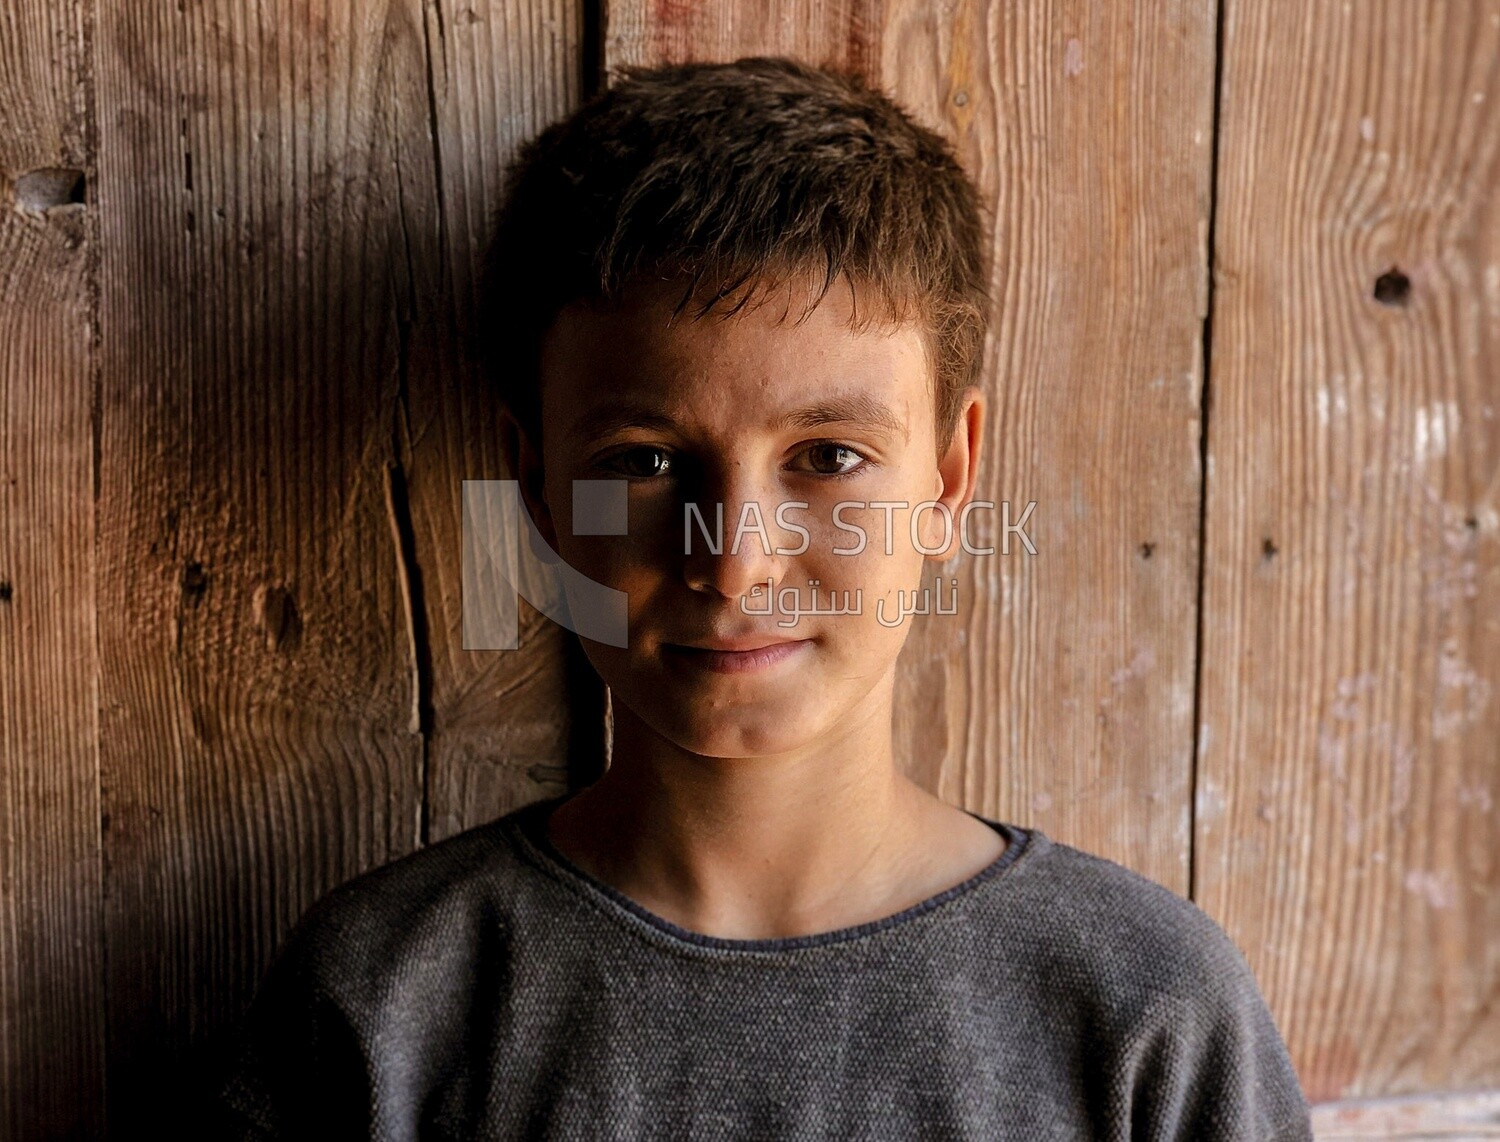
753, 926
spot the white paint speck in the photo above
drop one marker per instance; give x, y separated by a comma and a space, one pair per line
1478, 795
1435, 888
1435, 424
1331, 751
1210, 801
1138, 666
1465, 688
1072, 56
1345, 707
1332, 399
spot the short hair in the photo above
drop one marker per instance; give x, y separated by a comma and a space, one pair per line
731, 175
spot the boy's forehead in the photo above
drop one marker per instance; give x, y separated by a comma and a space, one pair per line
759, 361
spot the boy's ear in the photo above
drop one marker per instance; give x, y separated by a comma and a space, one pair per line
524, 463
958, 473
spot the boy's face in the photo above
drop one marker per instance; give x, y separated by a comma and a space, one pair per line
716, 400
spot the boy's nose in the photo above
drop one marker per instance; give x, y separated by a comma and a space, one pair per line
733, 573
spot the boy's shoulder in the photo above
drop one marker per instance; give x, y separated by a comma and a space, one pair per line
1155, 977
1120, 935
457, 891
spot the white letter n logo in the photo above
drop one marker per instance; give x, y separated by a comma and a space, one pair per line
504, 556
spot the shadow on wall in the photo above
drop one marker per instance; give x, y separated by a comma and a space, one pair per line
275, 331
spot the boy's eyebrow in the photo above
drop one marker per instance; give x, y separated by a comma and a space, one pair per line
858, 408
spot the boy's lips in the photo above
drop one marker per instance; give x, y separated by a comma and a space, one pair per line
758, 653
743, 642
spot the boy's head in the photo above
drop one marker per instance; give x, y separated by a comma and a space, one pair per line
760, 285
724, 176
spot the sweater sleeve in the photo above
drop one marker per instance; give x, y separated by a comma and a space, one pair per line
1207, 1064
297, 1070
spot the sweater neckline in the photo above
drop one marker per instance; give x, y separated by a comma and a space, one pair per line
529, 828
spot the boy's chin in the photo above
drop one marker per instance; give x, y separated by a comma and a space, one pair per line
747, 742
739, 732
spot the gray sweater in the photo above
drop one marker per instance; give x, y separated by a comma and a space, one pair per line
486, 987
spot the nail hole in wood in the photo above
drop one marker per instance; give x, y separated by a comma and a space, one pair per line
194, 581
1392, 287
50, 187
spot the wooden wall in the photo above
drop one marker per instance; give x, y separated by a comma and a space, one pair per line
1248, 265
1349, 732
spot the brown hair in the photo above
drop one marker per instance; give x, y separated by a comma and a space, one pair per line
728, 174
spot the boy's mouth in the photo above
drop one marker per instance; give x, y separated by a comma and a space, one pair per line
742, 642
735, 656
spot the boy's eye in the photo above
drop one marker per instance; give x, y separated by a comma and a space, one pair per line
830, 459
647, 461
641, 463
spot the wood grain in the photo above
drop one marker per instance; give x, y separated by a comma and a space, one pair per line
51, 936
258, 313
1468, 1116
510, 726
1346, 832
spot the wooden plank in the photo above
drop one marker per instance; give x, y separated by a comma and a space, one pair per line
51, 939
1062, 695
1346, 827
521, 724
263, 675
848, 33
1470, 1115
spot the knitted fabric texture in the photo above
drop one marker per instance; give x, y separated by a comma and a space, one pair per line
487, 988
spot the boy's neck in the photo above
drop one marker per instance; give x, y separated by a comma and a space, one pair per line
768, 847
